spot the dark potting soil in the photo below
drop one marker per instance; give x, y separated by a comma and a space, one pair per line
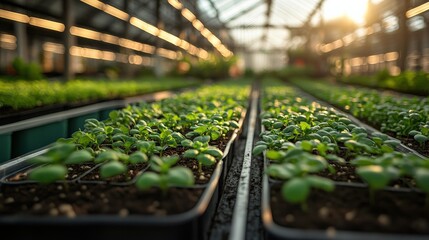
133, 170
348, 208
82, 199
204, 176
411, 143
200, 177
343, 173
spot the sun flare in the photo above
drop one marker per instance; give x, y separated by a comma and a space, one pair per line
354, 9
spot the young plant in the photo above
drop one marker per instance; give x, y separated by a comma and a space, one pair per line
378, 172
200, 150
421, 175
116, 163
54, 162
164, 175
167, 138
298, 174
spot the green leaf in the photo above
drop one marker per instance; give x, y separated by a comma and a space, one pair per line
393, 172
259, 149
421, 176
109, 129
112, 168
108, 155
413, 133
304, 126
312, 163
279, 171
187, 143
307, 146
321, 183
218, 154
170, 160
155, 137
138, 157
345, 120
277, 125
296, 190
392, 142
425, 130
119, 137
78, 157
191, 134
60, 151
420, 138
101, 138
42, 159
148, 180
335, 158
363, 161
322, 148
178, 136
374, 175
113, 115
234, 124
215, 135
315, 136
293, 153
48, 174
180, 176
134, 132
191, 153
386, 148
275, 155
367, 142
118, 144
206, 159
201, 129
203, 139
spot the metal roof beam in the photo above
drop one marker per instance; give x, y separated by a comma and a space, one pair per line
243, 12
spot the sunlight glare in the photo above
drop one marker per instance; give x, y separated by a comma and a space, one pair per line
354, 9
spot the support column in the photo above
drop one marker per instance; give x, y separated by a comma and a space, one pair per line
158, 67
21, 38
69, 40
126, 67
403, 36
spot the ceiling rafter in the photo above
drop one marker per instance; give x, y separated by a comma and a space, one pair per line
244, 12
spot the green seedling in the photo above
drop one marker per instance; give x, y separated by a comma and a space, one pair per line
54, 162
148, 147
298, 174
421, 175
377, 178
116, 163
164, 175
49, 173
200, 150
421, 139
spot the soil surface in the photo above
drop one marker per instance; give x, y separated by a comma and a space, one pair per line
348, 208
411, 143
81, 199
